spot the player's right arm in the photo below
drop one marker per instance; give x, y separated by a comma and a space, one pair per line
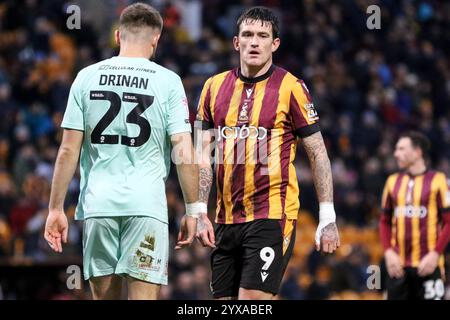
204, 148
393, 262
205, 230
179, 130
187, 172
56, 226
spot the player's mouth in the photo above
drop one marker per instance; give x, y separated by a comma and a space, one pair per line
253, 53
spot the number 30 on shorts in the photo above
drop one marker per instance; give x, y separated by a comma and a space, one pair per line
434, 289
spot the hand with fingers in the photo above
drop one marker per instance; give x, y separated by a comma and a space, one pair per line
327, 237
56, 229
393, 264
428, 264
205, 231
188, 228
327, 234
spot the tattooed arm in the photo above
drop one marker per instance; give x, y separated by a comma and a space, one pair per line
327, 236
205, 231
205, 182
320, 166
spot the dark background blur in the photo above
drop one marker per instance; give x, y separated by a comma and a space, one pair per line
367, 85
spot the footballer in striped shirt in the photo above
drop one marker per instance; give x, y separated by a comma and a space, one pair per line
415, 223
256, 114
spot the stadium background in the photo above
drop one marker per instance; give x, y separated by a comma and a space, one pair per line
368, 85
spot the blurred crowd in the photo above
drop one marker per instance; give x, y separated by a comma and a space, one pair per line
367, 85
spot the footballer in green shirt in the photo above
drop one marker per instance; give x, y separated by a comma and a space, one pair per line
124, 114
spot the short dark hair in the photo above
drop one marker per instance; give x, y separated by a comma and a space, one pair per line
418, 140
138, 15
263, 14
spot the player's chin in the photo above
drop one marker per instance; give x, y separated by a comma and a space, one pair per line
401, 165
254, 61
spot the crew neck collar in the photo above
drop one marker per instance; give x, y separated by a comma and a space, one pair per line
258, 78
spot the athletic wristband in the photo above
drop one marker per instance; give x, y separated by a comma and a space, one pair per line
195, 209
326, 216
326, 212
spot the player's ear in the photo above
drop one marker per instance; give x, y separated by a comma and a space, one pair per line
117, 37
275, 44
156, 39
236, 43
419, 152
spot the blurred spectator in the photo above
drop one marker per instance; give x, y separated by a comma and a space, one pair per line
184, 287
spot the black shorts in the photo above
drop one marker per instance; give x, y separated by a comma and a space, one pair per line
413, 287
251, 255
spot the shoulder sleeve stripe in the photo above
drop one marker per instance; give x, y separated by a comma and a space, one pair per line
308, 130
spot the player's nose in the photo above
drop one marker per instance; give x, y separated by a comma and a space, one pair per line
254, 42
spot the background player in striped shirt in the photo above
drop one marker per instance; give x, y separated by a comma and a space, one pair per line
256, 114
415, 223
123, 114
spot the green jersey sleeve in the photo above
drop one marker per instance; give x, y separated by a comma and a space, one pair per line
73, 116
178, 110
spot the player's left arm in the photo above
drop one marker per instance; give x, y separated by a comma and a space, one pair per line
327, 235
430, 261
443, 199
56, 227
305, 124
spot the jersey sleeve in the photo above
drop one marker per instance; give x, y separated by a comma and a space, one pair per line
178, 110
443, 203
204, 119
387, 209
443, 199
74, 116
305, 120
386, 200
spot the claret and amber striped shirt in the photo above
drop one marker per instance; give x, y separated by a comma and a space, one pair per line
413, 208
256, 125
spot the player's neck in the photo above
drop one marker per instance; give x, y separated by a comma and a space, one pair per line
256, 71
135, 52
417, 168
